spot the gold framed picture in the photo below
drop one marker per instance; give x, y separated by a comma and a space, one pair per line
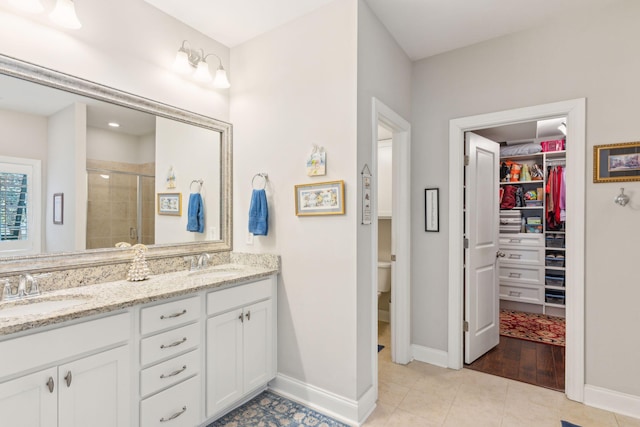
170, 204
323, 198
616, 162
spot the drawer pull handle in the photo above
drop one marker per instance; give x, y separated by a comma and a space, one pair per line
515, 256
171, 316
174, 344
516, 275
515, 240
514, 293
68, 378
50, 384
174, 416
174, 373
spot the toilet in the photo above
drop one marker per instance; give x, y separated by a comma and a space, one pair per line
384, 276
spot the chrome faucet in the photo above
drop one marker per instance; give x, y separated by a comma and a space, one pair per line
27, 287
203, 260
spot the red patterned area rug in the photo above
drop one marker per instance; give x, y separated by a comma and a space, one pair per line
532, 327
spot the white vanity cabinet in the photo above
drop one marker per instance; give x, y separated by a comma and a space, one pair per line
72, 376
170, 349
241, 343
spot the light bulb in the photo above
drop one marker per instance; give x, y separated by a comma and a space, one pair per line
221, 81
202, 73
64, 15
181, 63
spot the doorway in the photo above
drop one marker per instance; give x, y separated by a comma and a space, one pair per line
399, 229
527, 342
574, 110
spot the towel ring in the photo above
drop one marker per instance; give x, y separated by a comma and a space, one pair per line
198, 181
262, 175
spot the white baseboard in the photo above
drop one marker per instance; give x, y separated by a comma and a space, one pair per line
430, 355
625, 404
345, 410
383, 316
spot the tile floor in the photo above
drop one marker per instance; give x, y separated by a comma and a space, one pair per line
424, 395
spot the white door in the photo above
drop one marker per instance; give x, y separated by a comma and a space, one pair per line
95, 391
30, 401
224, 360
481, 225
258, 342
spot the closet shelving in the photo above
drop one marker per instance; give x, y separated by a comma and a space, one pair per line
532, 271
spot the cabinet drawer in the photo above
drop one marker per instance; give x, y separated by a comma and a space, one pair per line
523, 256
522, 239
178, 406
522, 274
169, 343
227, 299
169, 314
168, 373
532, 294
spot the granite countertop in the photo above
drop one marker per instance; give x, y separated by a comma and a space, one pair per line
105, 297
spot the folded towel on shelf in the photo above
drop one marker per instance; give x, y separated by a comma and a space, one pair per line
258, 213
195, 215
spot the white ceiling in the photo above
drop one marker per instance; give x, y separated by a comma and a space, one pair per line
421, 27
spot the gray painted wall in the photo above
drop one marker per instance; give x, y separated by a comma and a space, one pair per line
593, 57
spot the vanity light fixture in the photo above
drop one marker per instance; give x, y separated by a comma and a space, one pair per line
63, 14
188, 59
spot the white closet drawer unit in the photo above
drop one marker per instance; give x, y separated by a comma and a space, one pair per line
178, 406
169, 343
228, 299
522, 274
523, 256
531, 294
522, 239
169, 315
170, 372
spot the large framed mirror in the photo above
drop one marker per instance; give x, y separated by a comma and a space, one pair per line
130, 183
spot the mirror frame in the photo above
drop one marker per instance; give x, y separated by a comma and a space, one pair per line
92, 257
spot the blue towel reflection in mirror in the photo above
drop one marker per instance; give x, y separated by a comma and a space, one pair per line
195, 214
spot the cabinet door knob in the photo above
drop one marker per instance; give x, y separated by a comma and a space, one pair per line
50, 384
68, 378
174, 416
248, 315
241, 317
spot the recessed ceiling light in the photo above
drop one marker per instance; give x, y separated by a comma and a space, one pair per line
104, 176
114, 124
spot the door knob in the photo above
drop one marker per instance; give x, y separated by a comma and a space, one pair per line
500, 254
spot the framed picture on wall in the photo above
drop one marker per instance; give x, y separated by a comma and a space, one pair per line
431, 210
58, 208
616, 162
323, 198
170, 204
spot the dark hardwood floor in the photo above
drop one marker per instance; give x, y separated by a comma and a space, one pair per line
526, 361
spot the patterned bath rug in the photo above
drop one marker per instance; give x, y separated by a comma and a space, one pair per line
533, 327
270, 410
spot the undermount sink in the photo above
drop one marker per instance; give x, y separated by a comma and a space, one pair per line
218, 274
36, 306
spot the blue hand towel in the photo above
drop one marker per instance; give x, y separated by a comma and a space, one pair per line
195, 216
258, 213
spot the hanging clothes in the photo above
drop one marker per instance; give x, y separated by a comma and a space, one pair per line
556, 197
